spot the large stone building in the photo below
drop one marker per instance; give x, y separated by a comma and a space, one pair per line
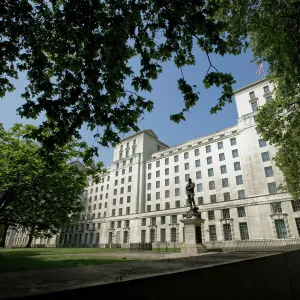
142, 198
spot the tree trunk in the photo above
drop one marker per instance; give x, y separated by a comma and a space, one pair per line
30, 237
4, 234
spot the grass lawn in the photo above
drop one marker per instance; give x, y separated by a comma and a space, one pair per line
49, 258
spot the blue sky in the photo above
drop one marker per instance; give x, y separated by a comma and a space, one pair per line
168, 100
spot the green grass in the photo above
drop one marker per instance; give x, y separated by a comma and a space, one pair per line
35, 259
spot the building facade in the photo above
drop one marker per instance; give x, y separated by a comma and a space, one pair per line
142, 198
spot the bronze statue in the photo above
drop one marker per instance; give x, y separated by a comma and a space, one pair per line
190, 187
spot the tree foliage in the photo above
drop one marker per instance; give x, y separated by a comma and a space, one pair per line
34, 194
77, 57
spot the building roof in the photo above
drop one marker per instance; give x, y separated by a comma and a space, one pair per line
250, 85
148, 131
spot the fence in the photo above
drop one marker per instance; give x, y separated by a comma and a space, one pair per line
250, 245
140, 247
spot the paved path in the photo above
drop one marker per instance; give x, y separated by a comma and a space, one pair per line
16, 284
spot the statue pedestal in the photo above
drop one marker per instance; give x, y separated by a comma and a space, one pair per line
193, 236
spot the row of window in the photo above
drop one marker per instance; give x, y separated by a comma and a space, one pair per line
124, 162
196, 153
119, 224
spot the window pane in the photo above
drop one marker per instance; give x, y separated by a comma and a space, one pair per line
197, 163
226, 213
254, 106
226, 196
211, 185
296, 205
233, 141
225, 182
186, 155
269, 171
220, 145
262, 143
244, 231
198, 175
241, 212
281, 229
210, 172
239, 179
211, 215
265, 156
221, 156
197, 152
208, 149
223, 169
272, 188
209, 160
199, 187
212, 233
186, 166
237, 166
235, 153
166, 161
276, 208
227, 232
213, 198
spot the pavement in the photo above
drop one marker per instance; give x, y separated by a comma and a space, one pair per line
17, 284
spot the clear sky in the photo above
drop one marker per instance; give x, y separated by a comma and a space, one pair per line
168, 100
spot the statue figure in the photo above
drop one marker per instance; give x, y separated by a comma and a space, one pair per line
190, 193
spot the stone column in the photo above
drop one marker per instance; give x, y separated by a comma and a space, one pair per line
193, 236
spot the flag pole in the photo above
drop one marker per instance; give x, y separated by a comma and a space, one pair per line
263, 70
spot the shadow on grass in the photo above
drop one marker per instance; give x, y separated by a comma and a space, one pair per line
30, 260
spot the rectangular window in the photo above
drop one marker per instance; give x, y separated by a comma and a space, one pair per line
269, 171
281, 229
166, 161
167, 205
167, 171
121, 200
297, 220
113, 212
227, 232
128, 199
101, 196
252, 95
167, 193
241, 212
157, 164
115, 191
276, 208
197, 163
211, 185
167, 182
199, 187
157, 206
122, 190
244, 231
174, 219
176, 169
148, 208
254, 106
129, 188
149, 175
128, 210
123, 171
272, 188
114, 201
235, 153
265, 156
237, 166
213, 198
176, 179
210, 172
186, 155
157, 195
239, 179
212, 232
241, 194
153, 221
157, 184
223, 169
198, 175
233, 141
143, 236
148, 197
208, 148
120, 212
177, 204
163, 220
225, 182
186, 166
220, 145
177, 192
197, 152
144, 222
129, 179
296, 205
175, 158
221, 156
186, 177
173, 235
226, 196
211, 215
157, 173
149, 166
209, 160
116, 182
262, 143
148, 186
162, 235
269, 98
266, 89
200, 201
226, 213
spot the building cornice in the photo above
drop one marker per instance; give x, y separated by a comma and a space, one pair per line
250, 86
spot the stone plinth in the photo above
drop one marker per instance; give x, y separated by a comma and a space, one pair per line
193, 236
